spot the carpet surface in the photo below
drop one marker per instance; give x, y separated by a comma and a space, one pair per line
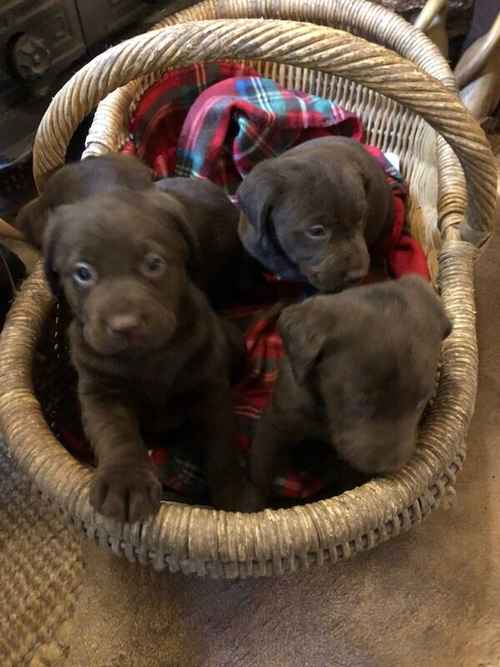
40, 572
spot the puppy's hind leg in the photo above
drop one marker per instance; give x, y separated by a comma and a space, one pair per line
237, 351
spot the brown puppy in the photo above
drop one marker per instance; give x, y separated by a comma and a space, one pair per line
358, 371
150, 352
313, 212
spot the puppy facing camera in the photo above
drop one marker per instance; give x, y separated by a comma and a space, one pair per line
121, 264
135, 262
358, 372
313, 212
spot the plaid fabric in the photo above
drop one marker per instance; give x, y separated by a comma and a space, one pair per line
241, 121
159, 117
216, 121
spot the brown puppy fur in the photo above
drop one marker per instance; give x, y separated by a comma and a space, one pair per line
320, 206
80, 180
151, 354
358, 371
215, 221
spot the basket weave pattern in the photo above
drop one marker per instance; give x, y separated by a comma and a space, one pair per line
372, 63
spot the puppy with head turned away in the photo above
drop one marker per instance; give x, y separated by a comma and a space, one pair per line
313, 213
358, 370
131, 261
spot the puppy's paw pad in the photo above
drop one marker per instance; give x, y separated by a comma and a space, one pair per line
126, 493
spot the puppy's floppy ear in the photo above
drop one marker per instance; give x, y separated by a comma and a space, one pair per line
447, 326
303, 338
255, 198
32, 221
49, 253
175, 212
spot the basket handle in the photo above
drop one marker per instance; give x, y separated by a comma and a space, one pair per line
477, 55
289, 43
430, 10
367, 19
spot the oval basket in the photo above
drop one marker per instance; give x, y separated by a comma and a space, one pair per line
375, 64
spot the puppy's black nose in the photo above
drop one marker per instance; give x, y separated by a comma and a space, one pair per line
124, 324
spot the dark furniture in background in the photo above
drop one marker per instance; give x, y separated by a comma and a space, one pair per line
42, 42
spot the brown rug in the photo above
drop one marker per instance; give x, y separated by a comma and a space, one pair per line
40, 573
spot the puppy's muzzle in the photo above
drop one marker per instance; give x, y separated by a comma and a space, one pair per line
126, 316
133, 328
130, 327
344, 263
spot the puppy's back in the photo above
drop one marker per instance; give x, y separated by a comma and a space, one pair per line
212, 215
214, 220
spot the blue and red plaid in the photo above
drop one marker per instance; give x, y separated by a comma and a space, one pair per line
218, 120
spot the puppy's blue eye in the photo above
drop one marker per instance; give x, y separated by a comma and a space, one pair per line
84, 275
317, 231
153, 265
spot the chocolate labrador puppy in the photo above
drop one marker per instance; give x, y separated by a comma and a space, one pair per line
314, 211
151, 354
358, 371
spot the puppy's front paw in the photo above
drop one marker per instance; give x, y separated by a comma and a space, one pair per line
126, 492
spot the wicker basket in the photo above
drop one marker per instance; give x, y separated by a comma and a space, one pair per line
375, 64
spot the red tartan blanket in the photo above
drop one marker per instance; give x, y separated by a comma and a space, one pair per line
216, 121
